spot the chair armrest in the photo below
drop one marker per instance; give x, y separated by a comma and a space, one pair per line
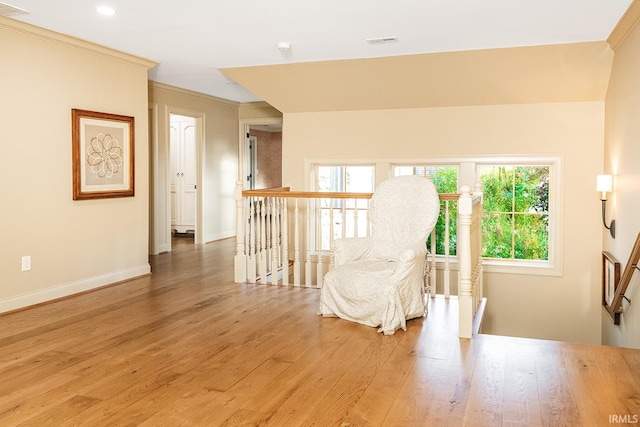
350, 249
411, 259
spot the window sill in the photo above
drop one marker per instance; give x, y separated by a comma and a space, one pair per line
534, 268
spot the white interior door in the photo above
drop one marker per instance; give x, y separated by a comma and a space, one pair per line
183, 173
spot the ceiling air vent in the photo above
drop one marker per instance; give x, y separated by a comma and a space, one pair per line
382, 40
8, 10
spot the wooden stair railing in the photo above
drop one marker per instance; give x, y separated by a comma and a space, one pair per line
615, 308
271, 222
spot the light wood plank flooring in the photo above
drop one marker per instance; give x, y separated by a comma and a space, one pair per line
187, 346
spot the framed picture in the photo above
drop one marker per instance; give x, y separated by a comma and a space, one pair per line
610, 278
102, 155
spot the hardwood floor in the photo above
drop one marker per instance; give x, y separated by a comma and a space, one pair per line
187, 346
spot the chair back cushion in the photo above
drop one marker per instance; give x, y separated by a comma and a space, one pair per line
403, 212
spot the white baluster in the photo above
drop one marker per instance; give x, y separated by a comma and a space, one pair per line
307, 269
447, 233
284, 226
240, 258
269, 200
344, 219
296, 245
355, 217
433, 279
263, 242
368, 227
465, 297
274, 241
253, 228
332, 260
478, 195
319, 265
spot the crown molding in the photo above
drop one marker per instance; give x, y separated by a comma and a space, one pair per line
625, 26
187, 92
72, 43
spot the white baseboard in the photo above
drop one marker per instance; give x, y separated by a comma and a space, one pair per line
67, 289
219, 236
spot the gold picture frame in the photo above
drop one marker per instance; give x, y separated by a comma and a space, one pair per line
102, 155
610, 281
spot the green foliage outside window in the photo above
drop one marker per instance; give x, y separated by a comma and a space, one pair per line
445, 178
516, 212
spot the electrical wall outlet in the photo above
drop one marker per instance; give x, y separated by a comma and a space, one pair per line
26, 263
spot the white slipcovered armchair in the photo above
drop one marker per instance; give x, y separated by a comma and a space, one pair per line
379, 280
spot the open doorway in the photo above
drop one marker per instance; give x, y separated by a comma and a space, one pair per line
262, 155
183, 178
164, 176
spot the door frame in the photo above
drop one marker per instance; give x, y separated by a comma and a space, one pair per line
161, 189
187, 166
244, 126
251, 159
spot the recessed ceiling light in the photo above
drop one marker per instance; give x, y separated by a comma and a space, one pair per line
106, 10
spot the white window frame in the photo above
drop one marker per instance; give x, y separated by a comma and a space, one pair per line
468, 175
553, 265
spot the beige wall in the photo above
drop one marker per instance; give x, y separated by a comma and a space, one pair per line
258, 110
574, 72
565, 307
218, 156
74, 245
622, 159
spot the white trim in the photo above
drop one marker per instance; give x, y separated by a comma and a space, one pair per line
220, 236
552, 266
158, 210
72, 288
467, 175
74, 43
199, 116
244, 125
536, 268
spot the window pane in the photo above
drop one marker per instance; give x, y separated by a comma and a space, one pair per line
531, 239
531, 189
497, 183
516, 204
359, 179
441, 230
403, 170
330, 178
445, 178
497, 230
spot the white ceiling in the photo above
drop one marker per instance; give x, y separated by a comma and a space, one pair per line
192, 39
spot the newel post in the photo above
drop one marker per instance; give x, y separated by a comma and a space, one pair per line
465, 296
240, 259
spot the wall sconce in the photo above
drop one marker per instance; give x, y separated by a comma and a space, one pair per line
604, 184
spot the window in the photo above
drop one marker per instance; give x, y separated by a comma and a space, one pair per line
445, 178
521, 216
515, 223
353, 179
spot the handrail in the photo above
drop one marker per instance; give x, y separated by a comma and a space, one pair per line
615, 308
274, 223
287, 193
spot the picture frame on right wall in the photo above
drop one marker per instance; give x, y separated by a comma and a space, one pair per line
610, 278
